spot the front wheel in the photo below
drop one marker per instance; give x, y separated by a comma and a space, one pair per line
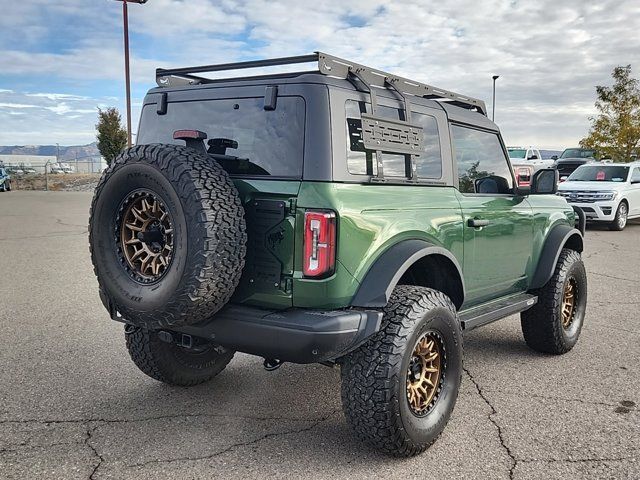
620, 220
173, 364
553, 325
399, 388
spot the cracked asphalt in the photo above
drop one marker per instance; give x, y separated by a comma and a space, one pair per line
72, 404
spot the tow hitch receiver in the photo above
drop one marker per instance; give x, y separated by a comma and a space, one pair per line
181, 339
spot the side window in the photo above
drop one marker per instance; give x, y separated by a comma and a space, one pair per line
635, 176
482, 165
429, 164
361, 161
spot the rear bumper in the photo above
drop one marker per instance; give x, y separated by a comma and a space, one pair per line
295, 335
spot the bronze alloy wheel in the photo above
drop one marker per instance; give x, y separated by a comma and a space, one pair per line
569, 302
425, 373
145, 236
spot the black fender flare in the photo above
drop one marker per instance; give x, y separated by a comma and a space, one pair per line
558, 238
383, 276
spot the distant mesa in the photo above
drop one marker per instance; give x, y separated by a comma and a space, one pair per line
67, 153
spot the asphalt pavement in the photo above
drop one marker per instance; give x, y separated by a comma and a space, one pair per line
72, 404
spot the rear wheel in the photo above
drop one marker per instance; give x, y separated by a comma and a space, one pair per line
173, 364
553, 325
620, 220
400, 387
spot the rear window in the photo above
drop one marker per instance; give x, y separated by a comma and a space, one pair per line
270, 143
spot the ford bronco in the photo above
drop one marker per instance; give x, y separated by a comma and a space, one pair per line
343, 216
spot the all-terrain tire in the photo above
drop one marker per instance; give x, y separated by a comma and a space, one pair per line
172, 364
620, 220
208, 236
542, 325
374, 377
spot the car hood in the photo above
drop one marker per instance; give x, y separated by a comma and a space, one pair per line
590, 186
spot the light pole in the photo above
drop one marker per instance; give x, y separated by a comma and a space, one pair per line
493, 102
125, 20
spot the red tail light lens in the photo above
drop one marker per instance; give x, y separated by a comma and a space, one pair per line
523, 176
319, 244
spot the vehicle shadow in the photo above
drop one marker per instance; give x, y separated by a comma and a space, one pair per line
294, 412
604, 227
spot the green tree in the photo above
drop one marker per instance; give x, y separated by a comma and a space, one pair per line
112, 138
615, 131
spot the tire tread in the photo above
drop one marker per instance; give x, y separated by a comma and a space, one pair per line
215, 215
370, 374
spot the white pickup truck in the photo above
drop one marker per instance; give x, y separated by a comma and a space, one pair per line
526, 161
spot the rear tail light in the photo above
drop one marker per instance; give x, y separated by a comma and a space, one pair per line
319, 244
523, 176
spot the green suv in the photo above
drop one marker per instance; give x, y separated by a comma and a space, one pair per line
343, 216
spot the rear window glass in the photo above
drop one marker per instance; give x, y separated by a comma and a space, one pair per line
269, 142
361, 161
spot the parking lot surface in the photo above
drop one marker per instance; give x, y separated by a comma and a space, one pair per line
72, 404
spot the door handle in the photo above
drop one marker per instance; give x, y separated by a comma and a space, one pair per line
477, 223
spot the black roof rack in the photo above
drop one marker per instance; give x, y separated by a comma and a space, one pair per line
327, 65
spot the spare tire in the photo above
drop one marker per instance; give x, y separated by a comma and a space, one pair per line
167, 236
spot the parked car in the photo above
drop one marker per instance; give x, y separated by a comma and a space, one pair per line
56, 168
14, 170
299, 233
606, 192
66, 168
5, 180
571, 159
525, 162
550, 154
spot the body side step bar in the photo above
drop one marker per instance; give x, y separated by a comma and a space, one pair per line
485, 314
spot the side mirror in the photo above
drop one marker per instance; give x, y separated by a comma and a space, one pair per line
491, 184
544, 182
554, 157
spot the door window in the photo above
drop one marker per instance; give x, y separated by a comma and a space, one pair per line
635, 176
482, 164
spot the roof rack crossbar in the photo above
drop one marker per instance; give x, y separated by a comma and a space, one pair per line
271, 62
331, 66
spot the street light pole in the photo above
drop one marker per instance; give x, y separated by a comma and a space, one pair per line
125, 20
493, 108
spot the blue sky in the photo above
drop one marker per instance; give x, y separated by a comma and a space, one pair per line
60, 60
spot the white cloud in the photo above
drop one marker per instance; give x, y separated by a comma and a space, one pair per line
549, 54
29, 119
